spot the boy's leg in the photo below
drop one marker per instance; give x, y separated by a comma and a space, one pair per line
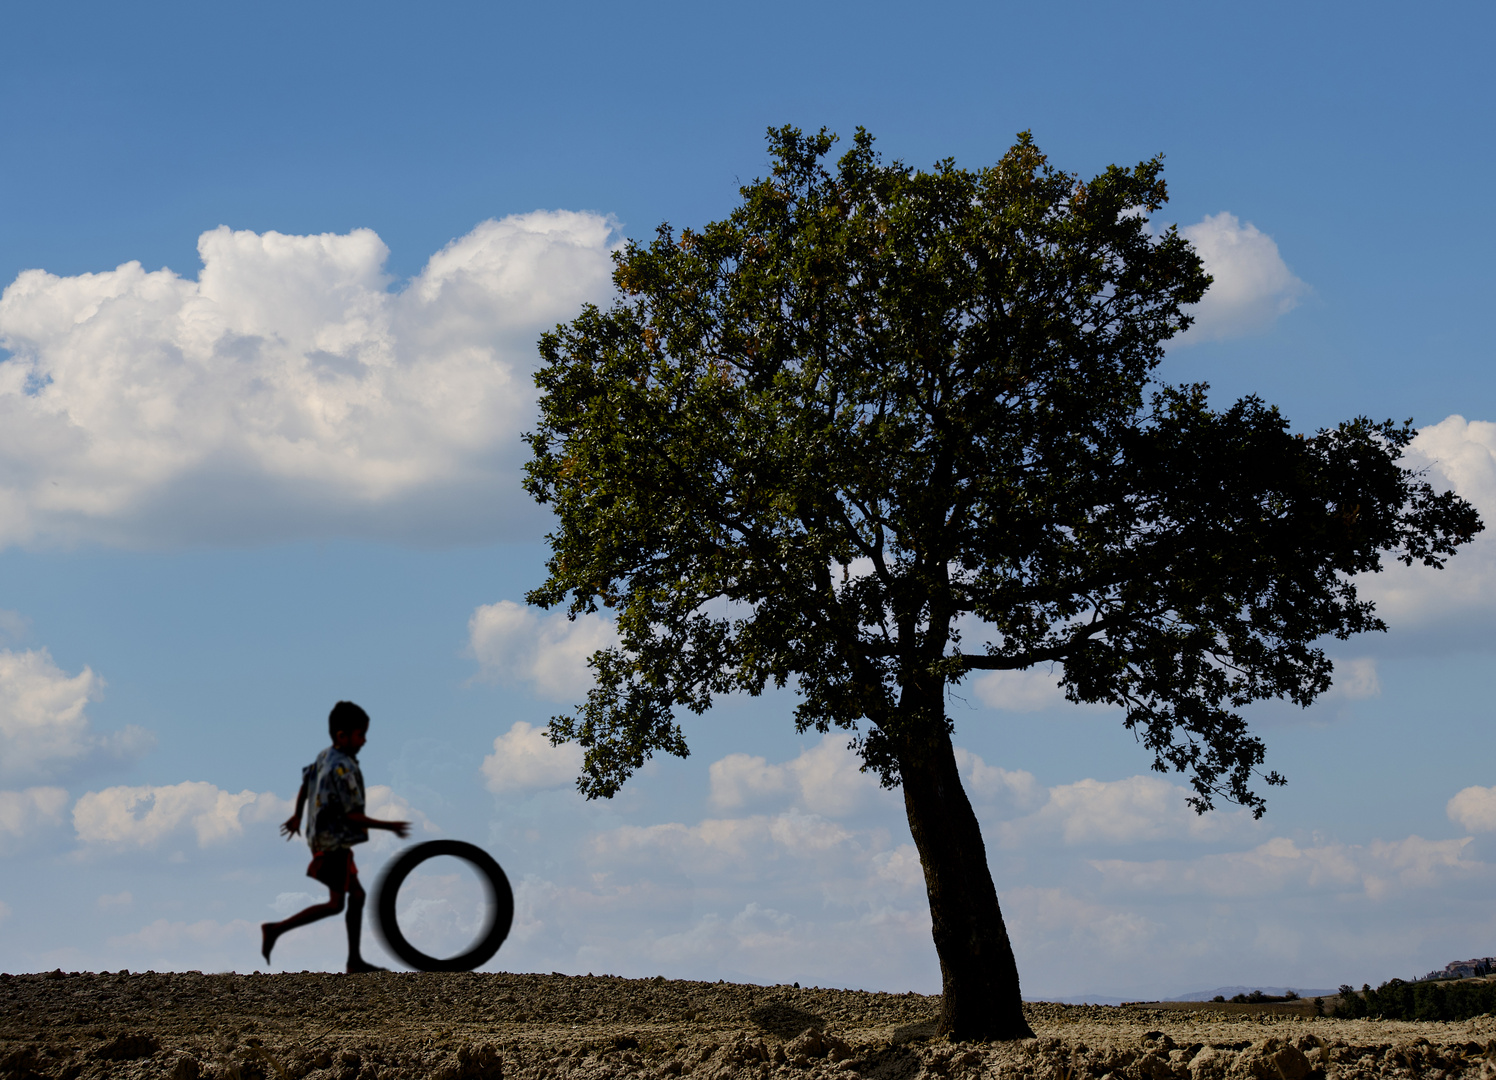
355, 920
270, 931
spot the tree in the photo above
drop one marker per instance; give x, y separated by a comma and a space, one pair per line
905, 423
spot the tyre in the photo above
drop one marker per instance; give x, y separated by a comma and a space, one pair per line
496, 885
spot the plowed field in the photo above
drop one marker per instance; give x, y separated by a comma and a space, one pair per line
455, 1027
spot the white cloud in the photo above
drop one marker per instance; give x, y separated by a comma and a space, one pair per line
1457, 454
902, 867
1032, 690
767, 939
288, 903
524, 759
165, 935
768, 897
1253, 286
824, 779
43, 730
514, 644
807, 835
1020, 691
24, 813
1415, 863
738, 844
1462, 455
132, 818
287, 392
441, 907
141, 817
1014, 792
1039, 913
382, 804
119, 899
1474, 809
1281, 867
1357, 679
765, 944
1139, 809
13, 624
740, 779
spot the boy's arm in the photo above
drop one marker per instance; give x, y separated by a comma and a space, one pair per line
292, 825
399, 828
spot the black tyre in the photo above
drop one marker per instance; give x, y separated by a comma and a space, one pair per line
500, 905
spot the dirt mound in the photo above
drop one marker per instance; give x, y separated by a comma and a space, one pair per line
528, 1027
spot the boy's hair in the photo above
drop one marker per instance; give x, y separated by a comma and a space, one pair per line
346, 716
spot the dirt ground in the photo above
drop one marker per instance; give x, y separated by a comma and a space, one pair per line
527, 1027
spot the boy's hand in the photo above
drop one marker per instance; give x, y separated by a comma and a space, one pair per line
399, 828
291, 826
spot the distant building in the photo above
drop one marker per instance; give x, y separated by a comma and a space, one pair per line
1463, 969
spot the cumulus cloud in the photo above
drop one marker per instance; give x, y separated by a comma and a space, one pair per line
1086, 926
768, 939
523, 759
1019, 691
442, 907
901, 866
1357, 679
769, 945
1139, 809
835, 881
287, 392
1460, 455
1027, 691
824, 779
164, 935
513, 644
13, 624
1253, 286
1282, 867
742, 844
288, 903
24, 813
1474, 809
790, 889
43, 729
739, 779
997, 788
381, 803
132, 818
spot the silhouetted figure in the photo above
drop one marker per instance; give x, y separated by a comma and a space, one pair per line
335, 787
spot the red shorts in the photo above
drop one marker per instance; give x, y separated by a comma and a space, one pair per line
333, 868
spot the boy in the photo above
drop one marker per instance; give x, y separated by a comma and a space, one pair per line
337, 821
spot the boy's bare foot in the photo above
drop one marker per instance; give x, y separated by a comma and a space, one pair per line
358, 967
268, 934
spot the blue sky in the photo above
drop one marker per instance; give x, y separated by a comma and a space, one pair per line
273, 275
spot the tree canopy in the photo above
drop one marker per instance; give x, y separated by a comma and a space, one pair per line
905, 424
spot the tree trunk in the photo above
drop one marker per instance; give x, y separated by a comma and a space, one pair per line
979, 978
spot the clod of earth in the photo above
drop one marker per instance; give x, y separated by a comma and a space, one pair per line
395, 1026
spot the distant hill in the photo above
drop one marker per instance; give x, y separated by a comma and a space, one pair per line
1083, 999
1459, 969
1229, 992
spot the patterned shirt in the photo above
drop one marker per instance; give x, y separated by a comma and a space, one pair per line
334, 789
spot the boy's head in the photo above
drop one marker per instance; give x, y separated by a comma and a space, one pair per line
347, 723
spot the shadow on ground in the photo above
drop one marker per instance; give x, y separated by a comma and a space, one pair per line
784, 1020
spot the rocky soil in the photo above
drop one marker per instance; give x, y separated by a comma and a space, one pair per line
528, 1027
